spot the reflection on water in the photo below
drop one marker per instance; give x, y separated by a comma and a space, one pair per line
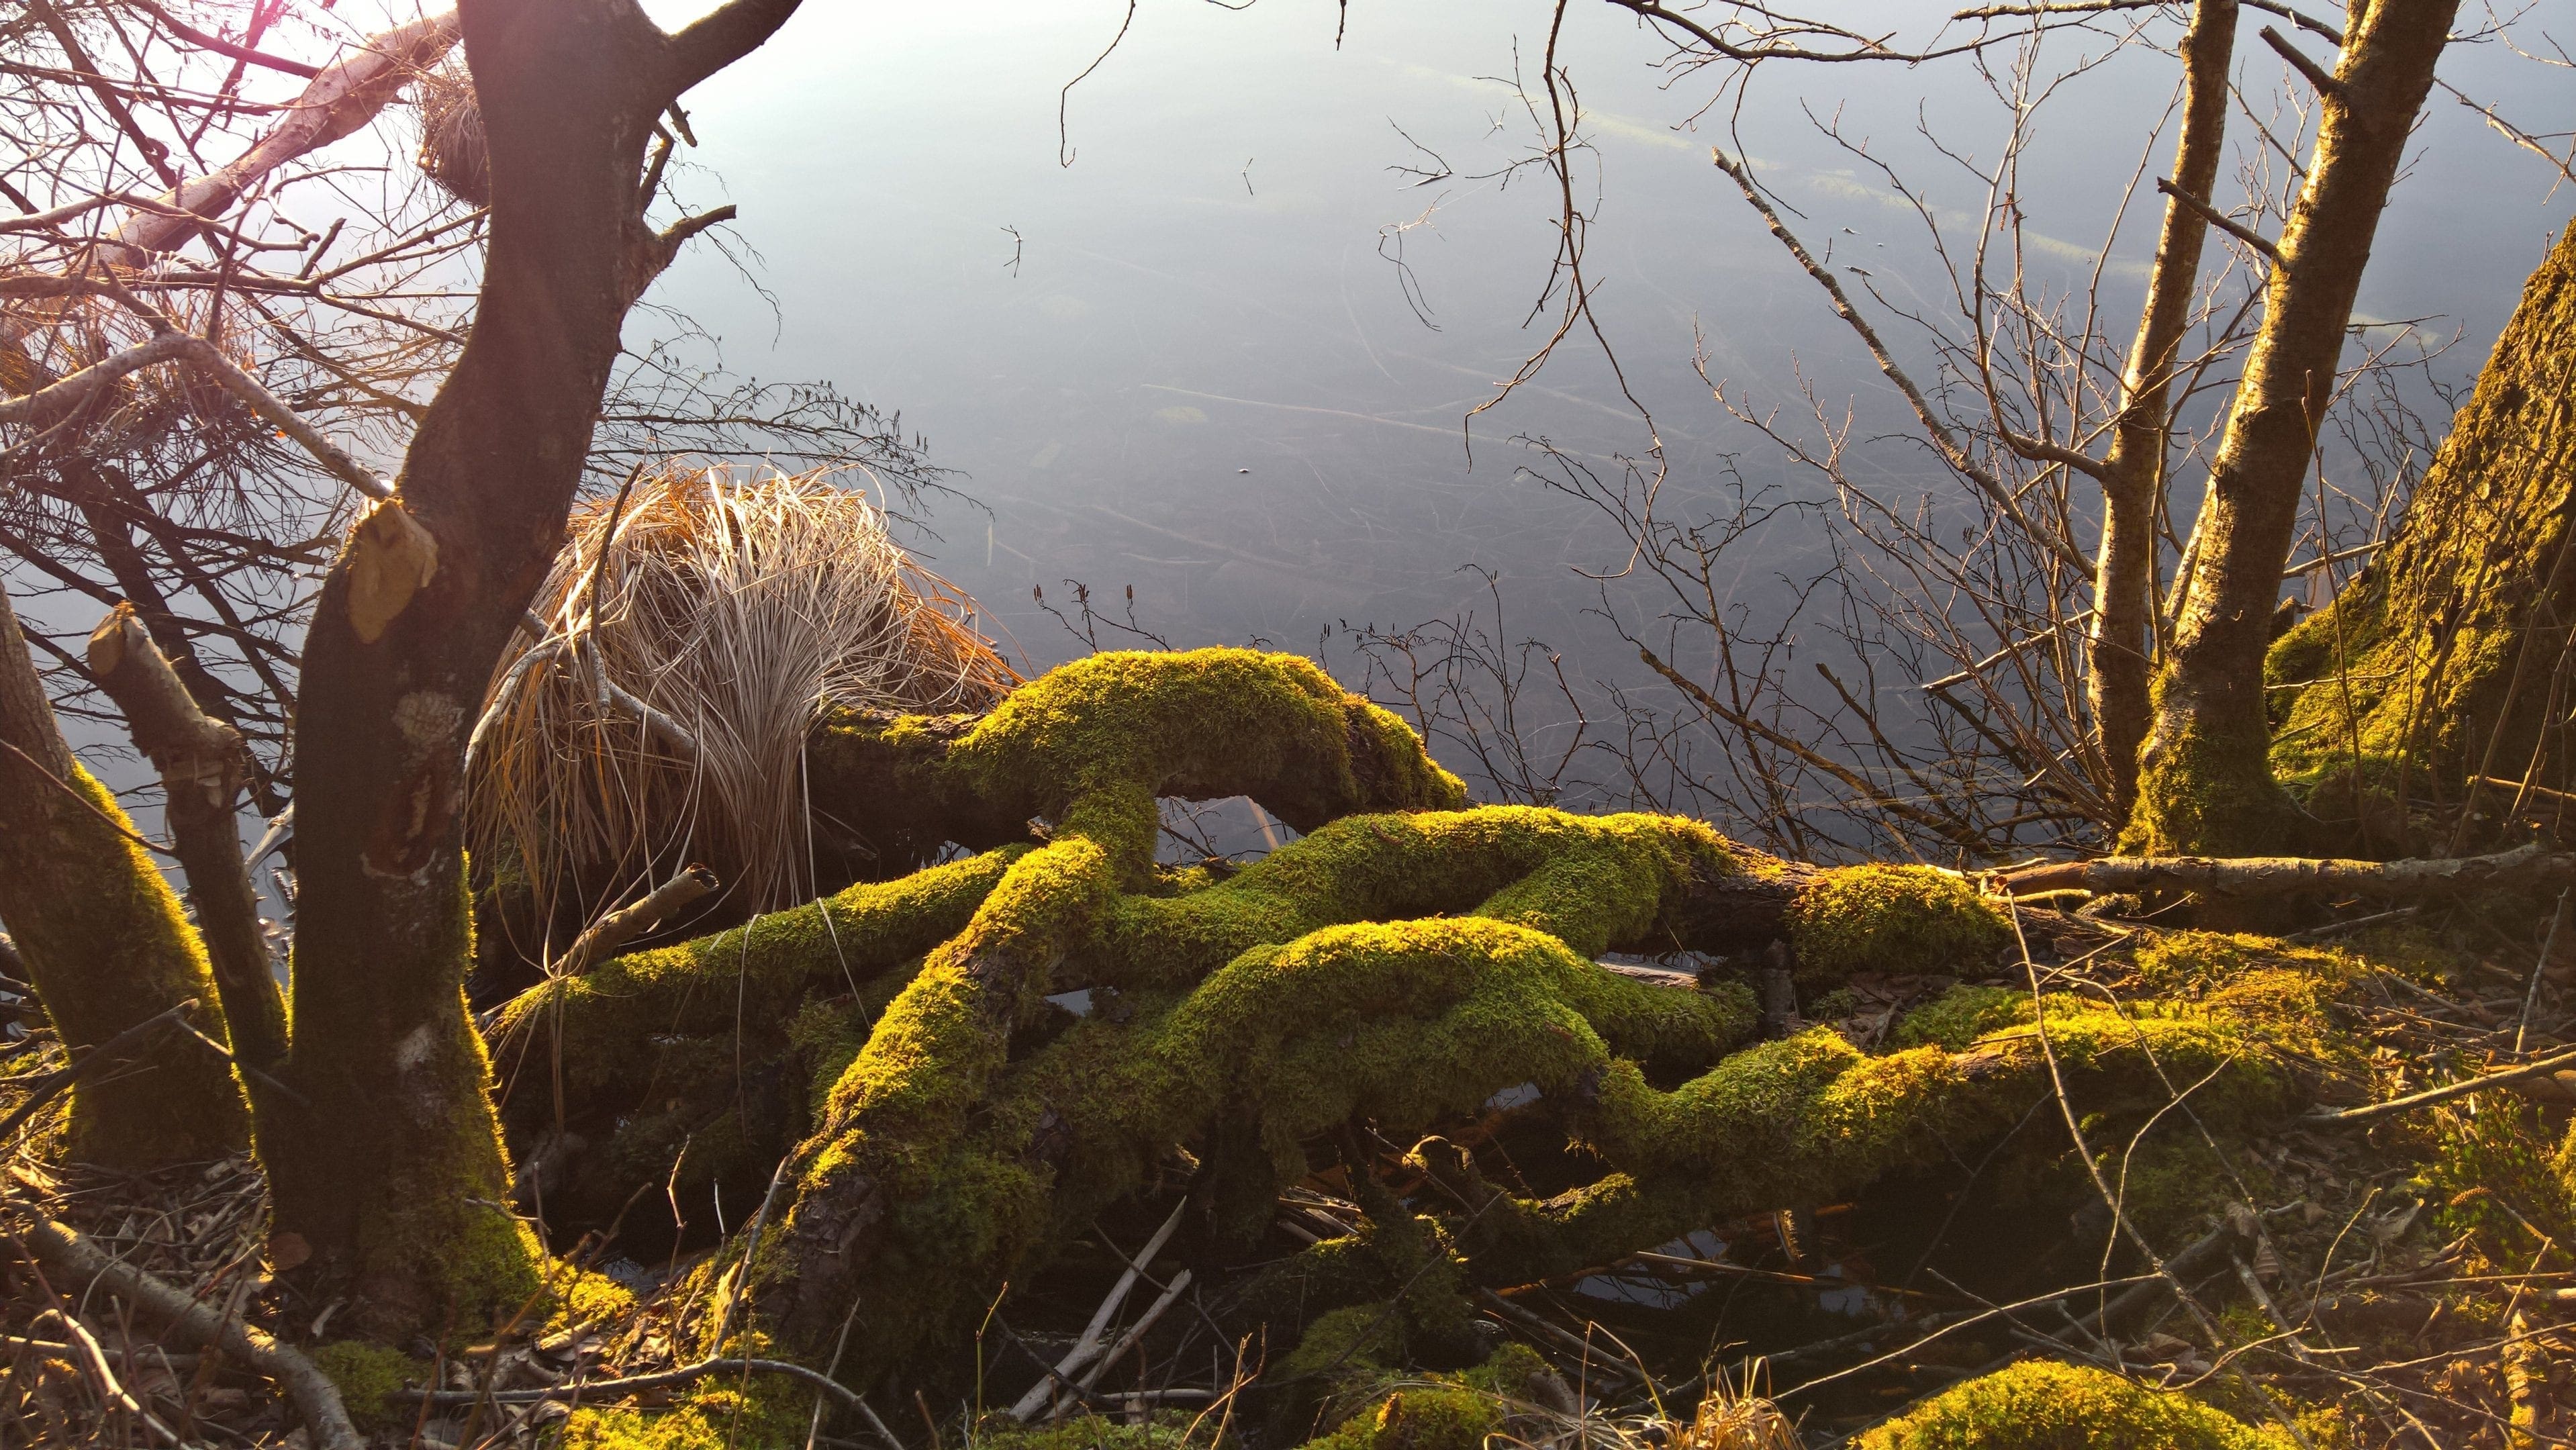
1187, 364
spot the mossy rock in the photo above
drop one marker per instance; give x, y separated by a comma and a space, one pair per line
2044, 1405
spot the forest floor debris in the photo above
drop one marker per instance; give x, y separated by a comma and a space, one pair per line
2400, 1281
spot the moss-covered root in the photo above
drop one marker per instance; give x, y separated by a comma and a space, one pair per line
1891, 919
752, 977
1811, 1119
912, 1210
1598, 883
892, 1121
1089, 746
2044, 1405
108, 947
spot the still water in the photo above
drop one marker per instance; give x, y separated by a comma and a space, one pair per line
1185, 363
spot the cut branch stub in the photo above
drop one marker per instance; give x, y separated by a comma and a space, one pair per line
200, 760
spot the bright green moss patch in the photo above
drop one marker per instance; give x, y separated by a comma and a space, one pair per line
108, 947
754, 974
583, 1297
1167, 1430
367, 1376
1596, 883
1961, 1016
2043, 1405
1891, 919
708, 1419
1091, 744
1419, 1417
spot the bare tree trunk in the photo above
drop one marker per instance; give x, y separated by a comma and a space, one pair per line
395, 1177
200, 759
2119, 652
2206, 787
103, 941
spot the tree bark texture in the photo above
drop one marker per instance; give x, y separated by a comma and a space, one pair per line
2444, 656
396, 1177
2206, 785
2120, 651
200, 760
103, 941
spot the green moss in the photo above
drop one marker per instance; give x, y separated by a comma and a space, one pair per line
108, 947
2412, 951
1167, 1430
583, 1297
1597, 883
1891, 919
2206, 788
753, 974
756, 1417
367, 1376
1961, 1016
1090, 745
1420, 1417
2414, 661
2043, 1405
1811, 1119
1347, 1342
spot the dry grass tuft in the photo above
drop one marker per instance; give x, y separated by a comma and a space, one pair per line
452, 150
743, 610
1732, 1418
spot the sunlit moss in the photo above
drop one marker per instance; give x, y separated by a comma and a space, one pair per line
367, 1375
1892, 919
2044, 1405
2413, 666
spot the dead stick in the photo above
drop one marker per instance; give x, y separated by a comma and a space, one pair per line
2461, 1089
627, 923
2282, 875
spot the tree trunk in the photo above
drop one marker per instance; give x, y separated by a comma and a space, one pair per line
395, 1177
103, 941
200, 759
2206, 786
2442, 662
2119, 650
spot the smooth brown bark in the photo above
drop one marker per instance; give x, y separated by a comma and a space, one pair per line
396, 1177
103, 941
2206, 786
2119, 652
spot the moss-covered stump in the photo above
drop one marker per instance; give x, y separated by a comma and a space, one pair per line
2436, 661
2044, 1405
